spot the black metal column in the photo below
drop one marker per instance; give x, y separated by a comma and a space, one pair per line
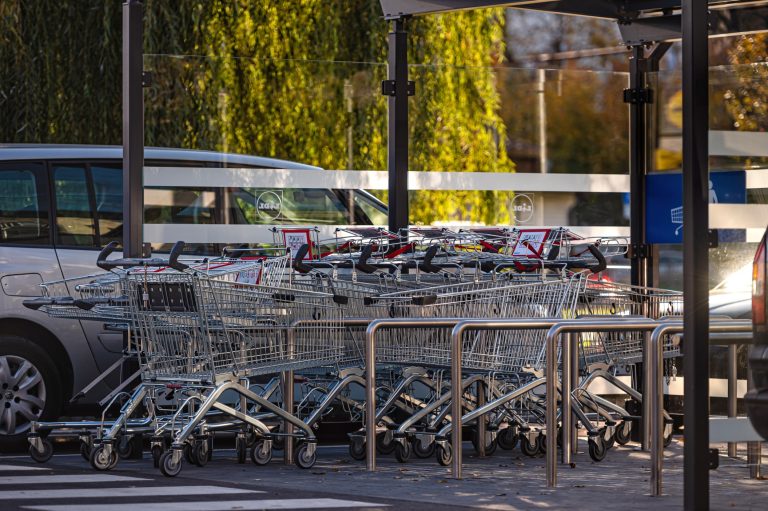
695, 253
397, 88
637, 155
133, 129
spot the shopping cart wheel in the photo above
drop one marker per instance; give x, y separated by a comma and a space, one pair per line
102, 459
490, 443
444, 453
610, 441
422, 448
190, 454
507, 438
541, 444
302, 458
385, 443
202, 452
157, 453
357, 450
623, 432
597, 448
529, 448
42, 457
241, 448
85, 451
403, 451
167, 466
258, 455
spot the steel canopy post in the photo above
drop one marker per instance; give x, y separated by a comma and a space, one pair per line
695, 254
398, 89
637, 167
133, 129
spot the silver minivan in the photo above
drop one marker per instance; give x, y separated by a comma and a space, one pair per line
58, 205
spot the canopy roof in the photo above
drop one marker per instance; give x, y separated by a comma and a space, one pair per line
640, 20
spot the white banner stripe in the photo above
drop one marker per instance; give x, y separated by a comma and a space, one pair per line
205, 177
111, 493
21, 468
243, 505
66, 478
738, 143
738, 216
198, 177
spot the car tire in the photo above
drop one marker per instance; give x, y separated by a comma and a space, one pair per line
30, 389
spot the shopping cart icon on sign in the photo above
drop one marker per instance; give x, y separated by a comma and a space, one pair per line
677, 218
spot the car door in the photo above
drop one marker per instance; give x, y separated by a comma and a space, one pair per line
87, 200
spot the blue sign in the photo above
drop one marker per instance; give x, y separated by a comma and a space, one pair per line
664, 202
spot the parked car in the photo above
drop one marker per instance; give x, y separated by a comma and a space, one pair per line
757, 397
58, 205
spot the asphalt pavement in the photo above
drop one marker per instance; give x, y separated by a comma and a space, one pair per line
507, 480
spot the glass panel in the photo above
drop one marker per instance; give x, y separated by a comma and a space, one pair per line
179, 206
74, 217
374, 212
298, 206
21, 218
108, 191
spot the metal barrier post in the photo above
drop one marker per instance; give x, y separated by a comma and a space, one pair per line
654, 373
732, 393
287, 392
574, 384
481, 388
370, 374
567, 417
553, 336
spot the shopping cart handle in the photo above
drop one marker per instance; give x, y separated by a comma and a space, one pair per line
298, 261
426, 265
133, 262
601, 263
36, 303
362, 264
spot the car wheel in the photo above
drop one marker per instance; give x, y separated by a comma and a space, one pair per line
30, 389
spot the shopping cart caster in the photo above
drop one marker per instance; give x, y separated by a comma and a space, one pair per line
261, 452
40, 449
202, 452
527, 446
402, 450
86, 445
356, 449
157, 453
623, 432
241, 447
423, 447
597, 447
507, 438
129, 447
444, 453
104, 457
490, 442
305, 455
385, 443
170, 462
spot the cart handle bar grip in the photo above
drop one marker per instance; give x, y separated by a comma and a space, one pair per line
133, 262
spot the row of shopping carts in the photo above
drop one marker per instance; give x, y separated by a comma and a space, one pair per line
212, 337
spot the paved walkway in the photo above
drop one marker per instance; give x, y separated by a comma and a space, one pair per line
507, 480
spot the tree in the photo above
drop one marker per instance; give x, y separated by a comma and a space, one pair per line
291, 79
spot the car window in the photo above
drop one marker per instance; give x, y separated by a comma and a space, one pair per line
297, 206
179, 205
23, 212
108, 194
75, 225
376, 213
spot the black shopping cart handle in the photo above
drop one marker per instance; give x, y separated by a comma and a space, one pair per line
133, 262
